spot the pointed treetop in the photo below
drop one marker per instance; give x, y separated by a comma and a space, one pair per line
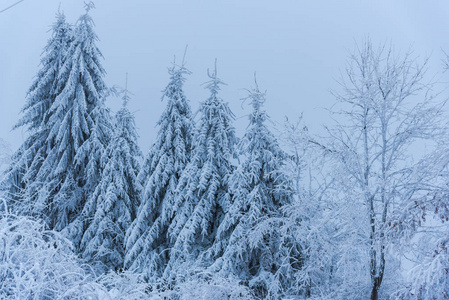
60, 17
59, 13
255, 81
88, 6
214, 84
179, 70
214, 74
125, 92
176, 73
184, 56
256, 97
86, 18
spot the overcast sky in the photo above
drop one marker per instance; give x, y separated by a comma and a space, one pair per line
297, 48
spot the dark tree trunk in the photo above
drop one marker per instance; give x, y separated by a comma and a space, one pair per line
374, 292
308, 292
376, 286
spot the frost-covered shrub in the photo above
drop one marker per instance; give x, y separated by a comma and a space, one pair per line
124, 286
36, 263
205, 285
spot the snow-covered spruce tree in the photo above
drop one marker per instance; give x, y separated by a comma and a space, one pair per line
79, 129
112, 207
248, 241
203, 196
146, 239
23, 179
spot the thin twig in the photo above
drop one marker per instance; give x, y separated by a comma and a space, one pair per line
11, 6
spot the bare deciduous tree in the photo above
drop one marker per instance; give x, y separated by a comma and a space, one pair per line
387, 108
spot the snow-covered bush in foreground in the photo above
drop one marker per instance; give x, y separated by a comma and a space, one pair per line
36, 263
208, 286
123, 286
205, 285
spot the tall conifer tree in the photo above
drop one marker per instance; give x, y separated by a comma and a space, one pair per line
79, 129
146, 241
203, 191
247, 241
23, 180
112, 207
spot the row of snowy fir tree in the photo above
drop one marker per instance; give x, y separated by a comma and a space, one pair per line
358, 213
190, 205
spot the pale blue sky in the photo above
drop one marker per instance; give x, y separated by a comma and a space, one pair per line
297, 48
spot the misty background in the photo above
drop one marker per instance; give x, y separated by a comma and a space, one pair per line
297, 48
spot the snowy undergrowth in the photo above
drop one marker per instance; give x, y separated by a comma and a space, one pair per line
36, 263
205, 285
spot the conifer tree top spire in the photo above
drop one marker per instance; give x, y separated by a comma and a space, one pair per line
88, 6
176, 73
214, 84
256, 97
60, 14
126, 97
210, 105
86, 20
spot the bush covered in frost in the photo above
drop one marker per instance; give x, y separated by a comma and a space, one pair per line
36, 263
